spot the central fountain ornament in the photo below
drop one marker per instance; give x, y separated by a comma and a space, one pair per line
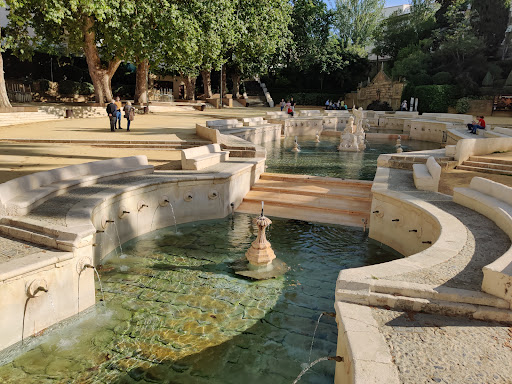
260, 261
353, 137
296, 146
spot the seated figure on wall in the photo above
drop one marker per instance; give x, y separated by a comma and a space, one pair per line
480, 124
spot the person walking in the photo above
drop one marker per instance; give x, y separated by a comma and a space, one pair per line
119, 106
282, 104
112, 114
129, 114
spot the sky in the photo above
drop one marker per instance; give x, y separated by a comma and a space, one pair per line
390, 3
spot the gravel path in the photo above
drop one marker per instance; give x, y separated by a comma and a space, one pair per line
437, 349
486, 242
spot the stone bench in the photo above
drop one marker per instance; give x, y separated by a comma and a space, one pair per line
19, 196
427, 176
310, 113
278, 115
202, 157
224, 124
253, 121
493, 200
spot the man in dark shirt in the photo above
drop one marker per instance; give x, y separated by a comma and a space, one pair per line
112, 115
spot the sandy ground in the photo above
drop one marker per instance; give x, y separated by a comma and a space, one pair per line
18, 159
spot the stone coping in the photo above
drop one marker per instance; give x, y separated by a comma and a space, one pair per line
492, 200
371, 285
33, 262
367, 359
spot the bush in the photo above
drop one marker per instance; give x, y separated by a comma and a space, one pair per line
432, 98
126, 90
86, 88
442, 78
44, 85
462, 105
69, 87
379, 106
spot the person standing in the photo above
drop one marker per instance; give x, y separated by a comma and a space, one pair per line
129, 114
282, 104
404, 106
292, 103
112, 114
119, 106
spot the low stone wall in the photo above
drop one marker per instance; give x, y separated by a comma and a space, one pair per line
477, 147
429, 130
206, 133
135, 208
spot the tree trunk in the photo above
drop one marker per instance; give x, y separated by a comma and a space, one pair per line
4, 99
207, 83
141, 83
101, 77
224, 81
190, 84
236, 85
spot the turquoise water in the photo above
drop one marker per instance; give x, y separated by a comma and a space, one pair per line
176, 313
323, 159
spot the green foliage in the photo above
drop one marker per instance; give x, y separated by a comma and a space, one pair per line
86, 88
404, 29
357, 20
432, 98
413, 64
44, 85
462, 105
442, 78
488, 80
125, 90
490, 22
69, 87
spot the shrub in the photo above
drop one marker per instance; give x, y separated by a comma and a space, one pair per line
69, 87
432, 98
44, 85
379, 106
442, 78
86, 88
462, 105
126, 90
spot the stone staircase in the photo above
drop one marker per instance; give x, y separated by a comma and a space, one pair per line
487, 165
406, 162
16, 118
310, 198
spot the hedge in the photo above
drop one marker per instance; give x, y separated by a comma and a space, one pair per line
69, 87
432, 98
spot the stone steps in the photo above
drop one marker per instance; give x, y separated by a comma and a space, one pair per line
484, 170
485, 164
310, 198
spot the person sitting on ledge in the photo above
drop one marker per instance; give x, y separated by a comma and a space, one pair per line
477, 125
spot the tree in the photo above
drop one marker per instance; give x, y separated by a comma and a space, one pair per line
4, 98
357, 20
100, 30
263, 33
403, 29
490, 22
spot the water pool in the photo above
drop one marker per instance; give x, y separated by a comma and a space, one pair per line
323, 159
176, 313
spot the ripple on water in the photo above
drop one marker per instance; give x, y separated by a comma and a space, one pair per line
176, 312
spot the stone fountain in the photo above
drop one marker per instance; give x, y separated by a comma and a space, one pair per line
352, 138
260, 261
